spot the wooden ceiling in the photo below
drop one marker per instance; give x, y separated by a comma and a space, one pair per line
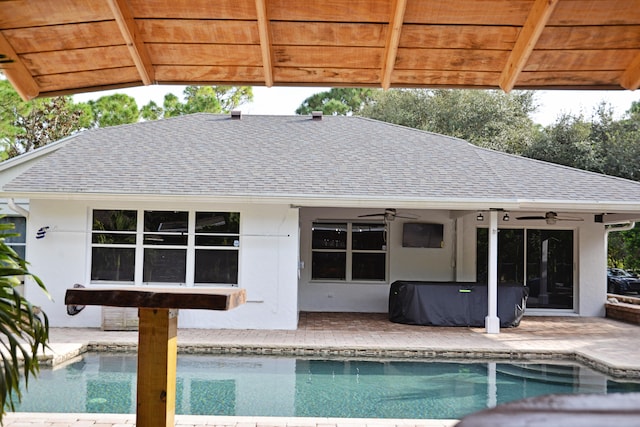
54, 47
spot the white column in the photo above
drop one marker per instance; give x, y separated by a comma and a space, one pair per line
491, 322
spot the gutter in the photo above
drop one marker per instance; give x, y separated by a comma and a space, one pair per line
18, 209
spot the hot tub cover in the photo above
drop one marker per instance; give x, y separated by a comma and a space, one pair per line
453, 303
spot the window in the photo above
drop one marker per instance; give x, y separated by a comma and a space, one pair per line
113, 240
17, 243
349, 251
217, 240
547, 256
176, 247
165, 246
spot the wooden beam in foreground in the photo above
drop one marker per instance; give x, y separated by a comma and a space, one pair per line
527, 39
133, 40
157, 337
152, 297
393, 39
17, 73
265, 42
631, 77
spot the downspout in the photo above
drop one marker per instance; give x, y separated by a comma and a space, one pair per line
623, 226
18, 209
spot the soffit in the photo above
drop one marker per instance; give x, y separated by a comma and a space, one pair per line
71, 46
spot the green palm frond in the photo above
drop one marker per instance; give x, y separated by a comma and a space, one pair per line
24, 329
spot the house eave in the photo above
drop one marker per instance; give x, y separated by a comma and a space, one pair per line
353, 201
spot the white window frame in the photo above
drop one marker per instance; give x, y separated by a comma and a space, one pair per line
140, 247
349, 251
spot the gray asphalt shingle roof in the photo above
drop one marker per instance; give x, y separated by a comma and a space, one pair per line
285, 156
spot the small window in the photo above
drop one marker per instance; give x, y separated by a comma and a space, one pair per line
113, 238
18, 242
216, 246
165, 246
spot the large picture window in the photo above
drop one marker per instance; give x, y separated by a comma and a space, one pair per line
173, 247
348, 251
540, 259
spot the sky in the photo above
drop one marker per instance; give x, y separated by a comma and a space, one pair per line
285, 100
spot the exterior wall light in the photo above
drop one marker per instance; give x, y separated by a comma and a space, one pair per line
506, 216
480, 217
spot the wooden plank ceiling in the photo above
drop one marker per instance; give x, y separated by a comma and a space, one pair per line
70, 46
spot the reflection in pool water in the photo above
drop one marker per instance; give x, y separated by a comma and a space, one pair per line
290, 387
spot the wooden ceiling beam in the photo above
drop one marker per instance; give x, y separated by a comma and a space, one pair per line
631, 77
527, 39
265, 42
133, 39
393, 40
17, 73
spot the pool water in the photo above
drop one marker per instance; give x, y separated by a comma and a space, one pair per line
290, 387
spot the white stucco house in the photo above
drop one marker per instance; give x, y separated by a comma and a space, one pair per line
307, 214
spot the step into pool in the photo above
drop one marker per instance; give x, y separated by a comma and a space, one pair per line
298, 387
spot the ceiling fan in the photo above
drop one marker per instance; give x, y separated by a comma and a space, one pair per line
550, 217
389, 215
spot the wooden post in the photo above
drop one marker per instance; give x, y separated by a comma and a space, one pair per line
157, 337
157, 355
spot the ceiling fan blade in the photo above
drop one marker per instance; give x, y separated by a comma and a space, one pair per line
407, 216
370, 215
530, 217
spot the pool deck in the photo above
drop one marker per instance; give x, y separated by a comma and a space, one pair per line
604, 344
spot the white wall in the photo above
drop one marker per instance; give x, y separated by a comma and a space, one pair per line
436, 264
267, 263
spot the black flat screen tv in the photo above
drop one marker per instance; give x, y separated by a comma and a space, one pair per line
422, 235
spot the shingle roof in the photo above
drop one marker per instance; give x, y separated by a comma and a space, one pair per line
299, 158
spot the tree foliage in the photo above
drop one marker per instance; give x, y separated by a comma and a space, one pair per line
113, 110
337, 101
199, 99
486, 118
25, 126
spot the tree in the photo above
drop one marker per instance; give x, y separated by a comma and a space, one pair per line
337, 101
199, 99
567, 142
25, 126
490, 119
113, 110
24, 328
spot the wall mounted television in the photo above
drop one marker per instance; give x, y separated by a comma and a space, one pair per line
422, 235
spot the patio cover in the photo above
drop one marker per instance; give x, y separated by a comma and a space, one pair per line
69, 46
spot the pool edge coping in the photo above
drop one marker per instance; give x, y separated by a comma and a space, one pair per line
54, 359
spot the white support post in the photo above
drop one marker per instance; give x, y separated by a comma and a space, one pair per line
492, 323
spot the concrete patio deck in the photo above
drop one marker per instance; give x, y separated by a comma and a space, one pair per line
606, 345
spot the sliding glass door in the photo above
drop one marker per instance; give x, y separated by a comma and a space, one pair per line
543, 257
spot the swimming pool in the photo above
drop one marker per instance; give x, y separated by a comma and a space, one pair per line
295, 387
